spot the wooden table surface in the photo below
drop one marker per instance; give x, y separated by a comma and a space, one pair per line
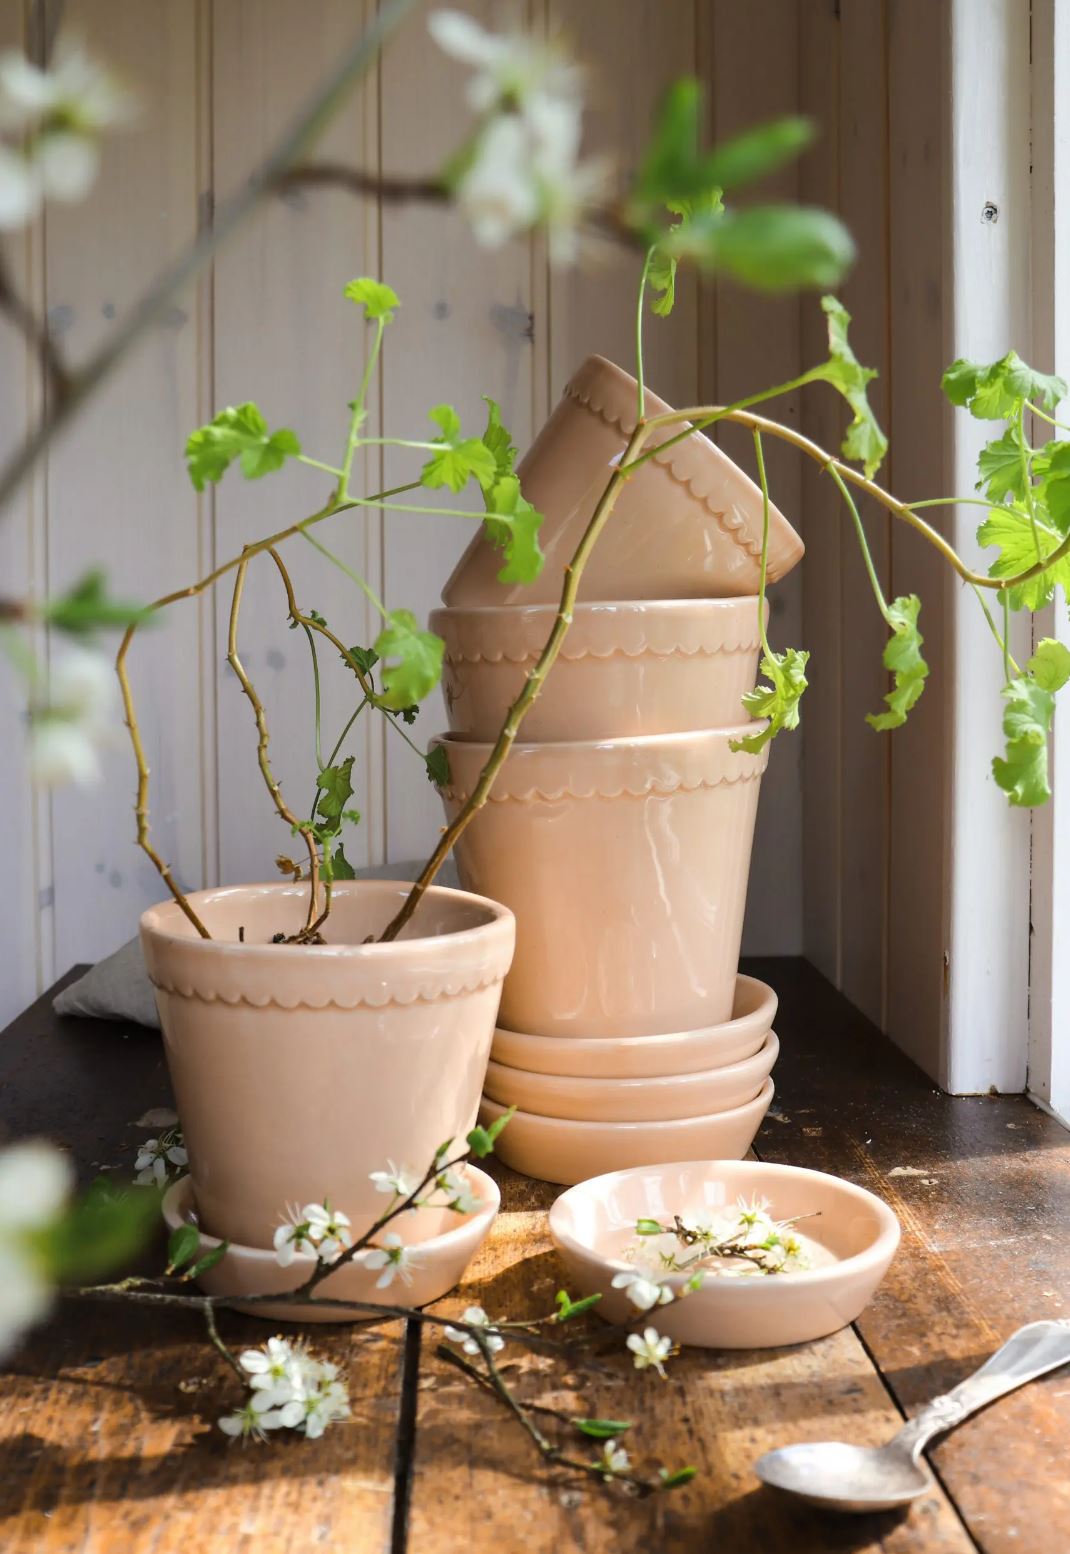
108, 1442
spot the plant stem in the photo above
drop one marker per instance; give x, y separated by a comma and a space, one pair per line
268, 775
316, 694
532, 685
213, 1333
365, 587
1005, 600
328, 469
874, 581
1002, 643
1027, 481
1044, 416
357, 415
764, 482
641, 408
708, 415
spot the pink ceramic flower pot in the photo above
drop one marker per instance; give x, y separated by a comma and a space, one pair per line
687, 525
636, 667
625, 862
297, 1071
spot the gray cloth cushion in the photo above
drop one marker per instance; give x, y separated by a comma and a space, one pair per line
118, 988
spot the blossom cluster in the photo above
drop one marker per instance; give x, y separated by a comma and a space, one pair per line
522, 168
50, 127
156, 1158
289, 1389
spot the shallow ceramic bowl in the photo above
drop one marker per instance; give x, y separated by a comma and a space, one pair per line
638, 1057
555, 1150
649, 666
662, 1099
592, 1224
246, 1270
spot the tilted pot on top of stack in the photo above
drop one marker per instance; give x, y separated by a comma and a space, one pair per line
619, 828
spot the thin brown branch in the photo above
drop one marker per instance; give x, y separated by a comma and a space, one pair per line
354, 180
263, 738
36, 335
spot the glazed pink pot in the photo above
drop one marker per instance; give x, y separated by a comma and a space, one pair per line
687, 525
625, 862
636, 667
297, 1071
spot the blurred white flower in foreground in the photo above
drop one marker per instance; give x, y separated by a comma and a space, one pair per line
72, 721
51, 122
522, 168
35, 1181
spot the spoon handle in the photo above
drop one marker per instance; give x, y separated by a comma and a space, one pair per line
1030, 1352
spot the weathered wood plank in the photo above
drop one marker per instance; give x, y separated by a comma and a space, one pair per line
982, 1188
108, 1438
478, 1481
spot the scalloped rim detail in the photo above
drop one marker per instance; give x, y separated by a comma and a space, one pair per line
581, 389
516, 634
625, 791
422, 996
503, 657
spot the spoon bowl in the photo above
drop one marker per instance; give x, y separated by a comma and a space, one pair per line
846, 1478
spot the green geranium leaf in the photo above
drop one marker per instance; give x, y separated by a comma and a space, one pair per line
1050, 664
182, 1245
512, 524
376, 298
997, 392
335, 785
498, 440
86, 608
367, 658
237, 433
1052, 494
1001, 467
342, 868
902, 656
418, 659
661, 267
778, 701
602, 1429
1012, 531
460, 457
863, 441
567, 1308
481, 1140
438, 766
1022, 772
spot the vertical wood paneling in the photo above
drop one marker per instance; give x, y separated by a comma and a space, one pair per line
917, 91
864, 754
117, 492
286, 336
753, 71
24, 915
465, 329
822, 419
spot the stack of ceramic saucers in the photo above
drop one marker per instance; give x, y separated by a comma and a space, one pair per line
619, 831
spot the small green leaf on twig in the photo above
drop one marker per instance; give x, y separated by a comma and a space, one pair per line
778, 701
997, 392
863, 441
902, 656
341, 867
460, 458
418, 655
182, 1245
367, 658
567, 1308
86, 608
512, 524
1003, 466
438, 766
481, 1140
661, 268
335, 785
674, 1480
498, 440
648, 1227
209, 1260
238, 433
376, 298
602, 1429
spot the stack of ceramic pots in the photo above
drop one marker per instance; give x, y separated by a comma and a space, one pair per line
619, 829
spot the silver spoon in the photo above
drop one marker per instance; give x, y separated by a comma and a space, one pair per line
881, 1478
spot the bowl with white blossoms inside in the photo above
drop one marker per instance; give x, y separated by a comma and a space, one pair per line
726, 1254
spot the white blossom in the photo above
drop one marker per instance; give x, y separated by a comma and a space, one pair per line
475, 1316
462, 1197
643, 1293
53, 120
326, 1404
70, 722
317, 1228
252, 1421
400, 1181
649, 1349
35, 1181
512, 70
614, 1459
394, 1258
155, 1156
